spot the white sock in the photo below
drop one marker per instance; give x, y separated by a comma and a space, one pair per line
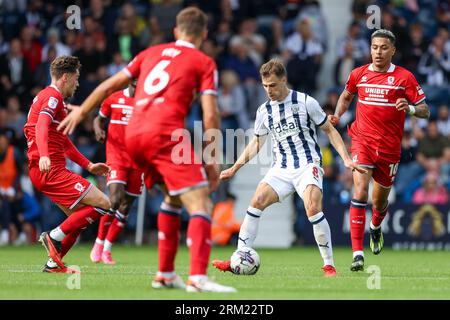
358, 253
99, 241
198, 278
57, 234
373, 227
51, 263
166, 274
322, 234
249, 228
107, 246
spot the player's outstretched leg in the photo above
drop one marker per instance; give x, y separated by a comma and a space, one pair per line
247, 236
169, 220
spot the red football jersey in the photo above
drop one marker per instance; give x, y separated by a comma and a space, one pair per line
50, 102
378, 123
119, 108
168, 76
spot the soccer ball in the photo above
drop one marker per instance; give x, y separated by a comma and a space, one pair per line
245, 261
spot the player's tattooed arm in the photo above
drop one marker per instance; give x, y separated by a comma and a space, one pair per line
250, 151
341, 107
420, 110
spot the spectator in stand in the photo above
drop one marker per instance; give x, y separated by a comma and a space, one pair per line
255, 42
16, 117
359, 48
275, 47
10, 172
31, 48
443, 121
434, 146
90, 59
15, 76
124, 42
432, 191
116, 65
26, 212
165, 12
414, 49
304, 56
435, 67
344, 65
409, 169
42, 76
443, 13
223, 36
53, 41
313, 12
151, 34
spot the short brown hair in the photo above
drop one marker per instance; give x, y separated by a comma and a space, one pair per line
192, 21
273, 66
64, 64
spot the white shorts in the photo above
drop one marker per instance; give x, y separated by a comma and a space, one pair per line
287, 181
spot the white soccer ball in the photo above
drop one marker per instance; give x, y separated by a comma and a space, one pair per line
245, 261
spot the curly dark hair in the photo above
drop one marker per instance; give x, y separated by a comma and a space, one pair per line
64, 64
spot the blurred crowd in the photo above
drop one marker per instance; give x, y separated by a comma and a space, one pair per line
243, 34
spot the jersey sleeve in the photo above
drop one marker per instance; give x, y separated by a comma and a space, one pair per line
315, 111
260, 127
413, 91
209, 78
350, 85
51, 106
133, 69
105, 108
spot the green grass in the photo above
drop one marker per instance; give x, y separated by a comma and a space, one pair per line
284, 274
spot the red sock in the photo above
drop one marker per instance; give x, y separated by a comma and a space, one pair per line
68, 241
116, 227
104, 224
80, 219
199, 243
357, 224
169, 220
377, 217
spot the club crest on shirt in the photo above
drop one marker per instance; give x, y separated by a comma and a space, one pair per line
52, 102
364, 79
121, 100
390, 80
79, 187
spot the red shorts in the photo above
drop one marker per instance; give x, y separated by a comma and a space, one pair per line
384, 165
153, 153
128, 176
60, 185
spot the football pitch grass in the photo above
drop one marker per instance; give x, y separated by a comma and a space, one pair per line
284, 274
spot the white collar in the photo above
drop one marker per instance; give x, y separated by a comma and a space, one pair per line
126, 92
55, 87
185, 44
391, 68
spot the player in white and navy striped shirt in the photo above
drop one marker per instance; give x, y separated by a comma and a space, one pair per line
291, 118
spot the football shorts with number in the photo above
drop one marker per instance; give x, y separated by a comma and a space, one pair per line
287, 181
384, 165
